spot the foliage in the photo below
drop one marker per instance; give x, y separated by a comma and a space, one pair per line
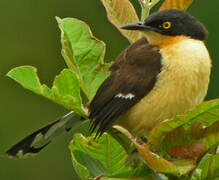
120, 12
65, 90
83, 54
174, 4
178, 148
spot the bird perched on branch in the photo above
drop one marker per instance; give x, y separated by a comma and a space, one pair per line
163, 74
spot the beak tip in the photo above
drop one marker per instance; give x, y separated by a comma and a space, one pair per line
123, 27
133, 26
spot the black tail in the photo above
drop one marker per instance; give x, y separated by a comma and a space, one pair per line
36, 141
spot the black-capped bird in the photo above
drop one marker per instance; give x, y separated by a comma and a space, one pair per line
161, 75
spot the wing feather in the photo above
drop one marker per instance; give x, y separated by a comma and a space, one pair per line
133, 75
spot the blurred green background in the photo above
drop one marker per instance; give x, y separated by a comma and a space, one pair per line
29, 36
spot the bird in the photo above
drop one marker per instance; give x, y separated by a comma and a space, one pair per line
163, 74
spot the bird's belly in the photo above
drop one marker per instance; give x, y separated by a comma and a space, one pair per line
181, 85
160, 104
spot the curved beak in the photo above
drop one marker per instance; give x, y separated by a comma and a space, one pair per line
136, 26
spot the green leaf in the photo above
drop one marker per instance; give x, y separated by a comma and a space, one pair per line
108, 156
149, 177
158, 163
94, 166
197, 125
83, 54
81, 170
211, 135
27, 77
141, 171
121, 139
120, 12
207, 169
176, 4
105, 158
65, 90
184, 166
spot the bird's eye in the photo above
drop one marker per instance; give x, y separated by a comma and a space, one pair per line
166, 25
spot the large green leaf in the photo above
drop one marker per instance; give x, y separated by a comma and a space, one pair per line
176, 4
197, 130
94, 166
149, 177
158, 163
65, 90
121, 139
81, 170
211, 135
83, 54
106, 152
121, 12
104, 158
207, 169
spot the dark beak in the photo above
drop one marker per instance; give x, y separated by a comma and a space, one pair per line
136, 26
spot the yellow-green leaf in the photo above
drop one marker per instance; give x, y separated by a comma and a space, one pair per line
83, 54
208, 168
105, 157
205, 115
176, 4
120, 12
65, 90
156, 162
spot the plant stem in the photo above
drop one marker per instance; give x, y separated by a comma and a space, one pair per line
146, 6
144, 9
153, 3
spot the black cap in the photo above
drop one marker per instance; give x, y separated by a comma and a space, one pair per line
171, 22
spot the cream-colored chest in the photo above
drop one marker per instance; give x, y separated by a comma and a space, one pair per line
186, 71
181, 85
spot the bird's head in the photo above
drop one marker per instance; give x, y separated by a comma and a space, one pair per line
169, 23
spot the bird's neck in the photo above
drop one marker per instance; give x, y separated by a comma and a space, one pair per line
161, 41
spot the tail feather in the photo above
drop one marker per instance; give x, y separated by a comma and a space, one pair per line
39, 139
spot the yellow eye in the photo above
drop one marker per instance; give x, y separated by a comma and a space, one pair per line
166, 25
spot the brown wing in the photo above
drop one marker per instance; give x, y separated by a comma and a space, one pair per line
132, 76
